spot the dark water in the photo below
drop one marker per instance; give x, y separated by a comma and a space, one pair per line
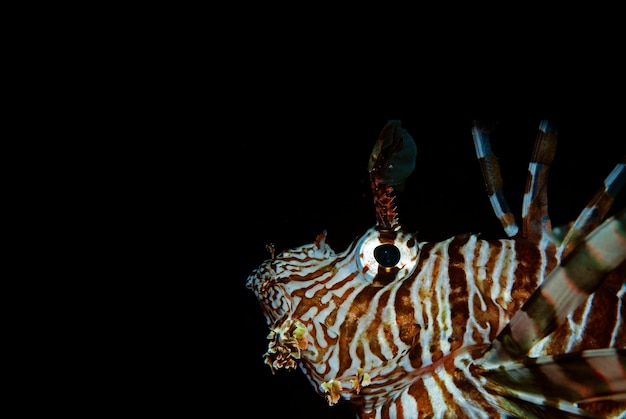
293, 178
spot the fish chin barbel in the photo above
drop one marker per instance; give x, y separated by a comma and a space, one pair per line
484, 328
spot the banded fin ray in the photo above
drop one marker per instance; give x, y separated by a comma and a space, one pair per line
596, 209
490, 168
569, 383
565, 288
536, 220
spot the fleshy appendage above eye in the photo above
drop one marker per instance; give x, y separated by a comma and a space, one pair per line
393, 158
386, 254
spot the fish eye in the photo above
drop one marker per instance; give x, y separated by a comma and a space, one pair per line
387, 255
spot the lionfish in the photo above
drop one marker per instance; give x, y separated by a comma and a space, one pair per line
531, 325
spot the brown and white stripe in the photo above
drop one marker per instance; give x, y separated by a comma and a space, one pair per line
465, 327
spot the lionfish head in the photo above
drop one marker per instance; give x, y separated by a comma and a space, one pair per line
308, 294
305, 292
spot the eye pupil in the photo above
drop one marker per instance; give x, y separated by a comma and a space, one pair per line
387, 255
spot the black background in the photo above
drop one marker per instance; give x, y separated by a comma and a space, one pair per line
284, 179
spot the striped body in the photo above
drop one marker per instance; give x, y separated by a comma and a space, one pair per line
465, 327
